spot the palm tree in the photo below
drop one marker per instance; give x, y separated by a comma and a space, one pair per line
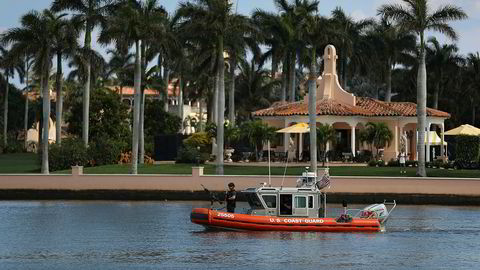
35, 37
392, 44
65, 44
126, 25
257, 133
10, 64
212, 18
473, 82
119, 63
277, 35
78, 66
91, 13
295, 15
236, 44
417, 17
379, 135
152, 28
255, 86
316, 33
325, 134
440, 59
28, 65
350, 40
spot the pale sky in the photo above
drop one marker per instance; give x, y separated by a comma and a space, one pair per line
468, 30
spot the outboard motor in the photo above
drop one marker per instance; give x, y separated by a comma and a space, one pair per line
378, 210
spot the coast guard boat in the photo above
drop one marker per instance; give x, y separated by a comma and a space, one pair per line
300, 208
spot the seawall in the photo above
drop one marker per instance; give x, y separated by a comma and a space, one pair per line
79, 186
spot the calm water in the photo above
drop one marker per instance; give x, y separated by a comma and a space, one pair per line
159, 235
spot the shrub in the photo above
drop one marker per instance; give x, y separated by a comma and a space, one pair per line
159, 122
363, 156
411, 163
237, 156
104, 151
199, 139
468, 148
393, 163
467, 165
438, 163
14, 147
70, 153
189, 154
149, 146
372, 163
449, 165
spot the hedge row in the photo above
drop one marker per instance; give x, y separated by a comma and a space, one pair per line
73, 152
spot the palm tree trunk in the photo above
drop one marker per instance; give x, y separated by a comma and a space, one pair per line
231, 94
292, 77
86, 93
388, 95
141, 142
166, 78
5, 114
59, 107
283, 94
221, 106
136, 107
312, 112
200, 117
40, 119
25, 122
141, 128
215, 98
180, 100
46, 122
421, 109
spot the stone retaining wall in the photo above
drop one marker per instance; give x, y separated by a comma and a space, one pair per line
464, 191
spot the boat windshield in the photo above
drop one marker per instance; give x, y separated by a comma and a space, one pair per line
253, 201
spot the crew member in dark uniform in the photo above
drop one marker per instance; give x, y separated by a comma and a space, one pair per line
231, 198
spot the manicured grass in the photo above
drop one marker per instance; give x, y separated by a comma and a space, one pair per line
254, 170
19, 163
28, 163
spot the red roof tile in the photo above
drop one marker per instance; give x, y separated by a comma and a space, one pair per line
364, 107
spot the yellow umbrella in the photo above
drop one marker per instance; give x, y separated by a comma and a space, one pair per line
434, 139
464, 130
297, 128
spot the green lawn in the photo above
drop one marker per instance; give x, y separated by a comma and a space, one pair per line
253, 170
19, 163
27, 163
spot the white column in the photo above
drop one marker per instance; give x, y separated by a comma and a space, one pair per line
442, 150
400, 132
416, 142
286, 139
396, 138
353, 140
300, 147
427, 156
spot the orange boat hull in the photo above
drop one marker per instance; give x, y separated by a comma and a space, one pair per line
224, 220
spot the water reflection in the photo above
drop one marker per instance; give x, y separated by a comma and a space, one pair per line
159, 235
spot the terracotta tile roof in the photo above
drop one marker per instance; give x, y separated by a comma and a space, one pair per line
364, 107
128, 90
324, 107
382, 108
